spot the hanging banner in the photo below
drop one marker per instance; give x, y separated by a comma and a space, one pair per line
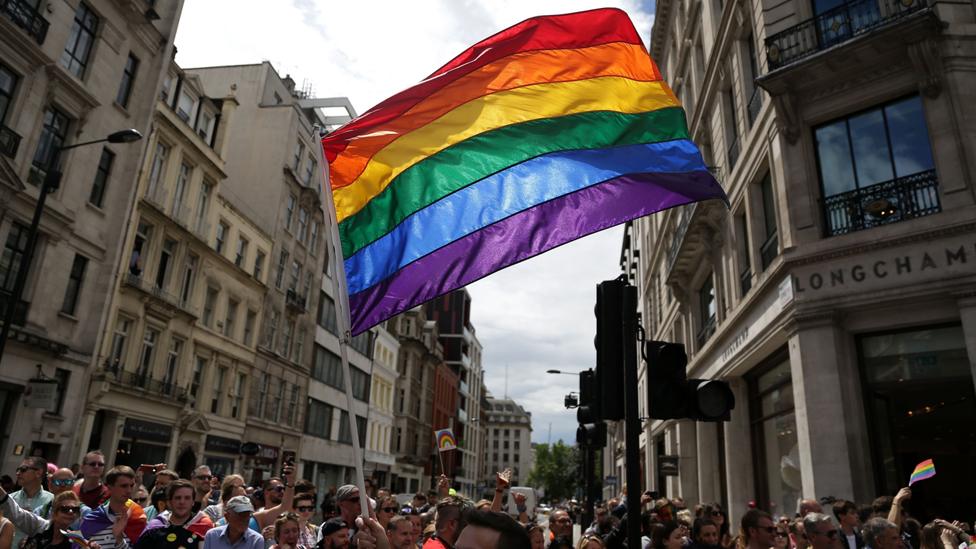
41, 393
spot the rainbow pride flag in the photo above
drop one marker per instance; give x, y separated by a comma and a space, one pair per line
922, 471
445, 440
550, 130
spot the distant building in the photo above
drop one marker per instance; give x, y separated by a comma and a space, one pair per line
380, 457
508, 442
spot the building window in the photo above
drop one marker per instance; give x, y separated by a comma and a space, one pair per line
179, 194
345, 436
241, 255
97, 195
218, 389
706, 310
8, 81
259, 390
276, 391
774, 435
313, 238
236, 403
309, 169
189, 277
80, 41
360, 383
172, 364
297, 160
116, 359
205, 126
731, 129
291, 414
185, 106
63, 379
13, 255
221, 237
298, 348
149, 338
289, 211
231, 319
296, 275
280, 273
199, 365
286, 334
140, 247
165, 259
318, 419
258, 265
157, 170
302, 224
128, 78
209, 304
327, 367
75, 278
53, 135
272, 330
249, 322
744, 255
203, 207
770, 246
876, 167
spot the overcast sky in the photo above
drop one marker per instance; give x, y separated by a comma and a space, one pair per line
531, 317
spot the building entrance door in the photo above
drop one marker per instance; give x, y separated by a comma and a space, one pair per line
920, 401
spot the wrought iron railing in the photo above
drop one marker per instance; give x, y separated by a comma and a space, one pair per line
681, 228
26, 17
834, 27
908, 197
142, 380
148, 287
295, 301
9, 141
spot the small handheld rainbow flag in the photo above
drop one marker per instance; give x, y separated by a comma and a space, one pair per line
922, 471
445, 440
76, 537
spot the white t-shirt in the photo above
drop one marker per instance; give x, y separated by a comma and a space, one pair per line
851, 541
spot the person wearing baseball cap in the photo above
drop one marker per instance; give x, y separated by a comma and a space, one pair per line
334, 533
235, 534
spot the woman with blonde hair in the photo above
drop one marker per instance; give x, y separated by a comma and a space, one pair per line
591, 541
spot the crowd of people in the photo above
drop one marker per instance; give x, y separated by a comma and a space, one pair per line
91, 508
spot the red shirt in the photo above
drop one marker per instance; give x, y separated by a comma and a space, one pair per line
436, 543
92, 498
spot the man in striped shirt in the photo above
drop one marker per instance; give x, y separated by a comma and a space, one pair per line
119, 521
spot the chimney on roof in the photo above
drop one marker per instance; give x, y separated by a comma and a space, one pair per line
289, 83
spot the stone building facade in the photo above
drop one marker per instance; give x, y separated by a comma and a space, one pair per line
508, 439
836, 295
70, 72
174, 366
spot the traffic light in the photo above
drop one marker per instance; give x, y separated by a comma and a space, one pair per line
592, 432
609, 341
673, 396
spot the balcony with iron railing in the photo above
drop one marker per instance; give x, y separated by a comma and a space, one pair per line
25, 16
899, 199
116, 373
834, 27
681, 228
295, 301
9, 142
150, 288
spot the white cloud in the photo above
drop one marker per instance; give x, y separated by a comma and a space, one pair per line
534, 316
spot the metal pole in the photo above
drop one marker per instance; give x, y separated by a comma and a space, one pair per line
632, 416
51, 180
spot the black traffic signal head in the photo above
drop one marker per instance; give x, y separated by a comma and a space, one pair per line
673, 396
592, 435
610, 341
589, 402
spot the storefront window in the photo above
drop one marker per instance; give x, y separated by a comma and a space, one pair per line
774, 438
920, 403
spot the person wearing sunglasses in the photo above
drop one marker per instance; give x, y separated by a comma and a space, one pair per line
30, 477
304, 509
386, 509
821, 531
91, 490
61, 481
41, 533
757, 529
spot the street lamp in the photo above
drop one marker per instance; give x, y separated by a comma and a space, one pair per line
562, 372
52, 179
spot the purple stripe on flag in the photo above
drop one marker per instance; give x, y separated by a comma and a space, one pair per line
526, 234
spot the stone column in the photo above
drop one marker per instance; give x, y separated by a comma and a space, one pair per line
688, 465
87, 423
738, 453
111, 433
709, 480
967, 313
821, 423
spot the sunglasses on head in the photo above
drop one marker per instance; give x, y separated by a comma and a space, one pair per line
70, 509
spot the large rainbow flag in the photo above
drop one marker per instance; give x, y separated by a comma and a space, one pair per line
550, 130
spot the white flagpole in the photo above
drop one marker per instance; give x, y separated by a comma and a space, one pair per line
339, 288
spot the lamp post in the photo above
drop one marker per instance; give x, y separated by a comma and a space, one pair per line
562, 372
52, 179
